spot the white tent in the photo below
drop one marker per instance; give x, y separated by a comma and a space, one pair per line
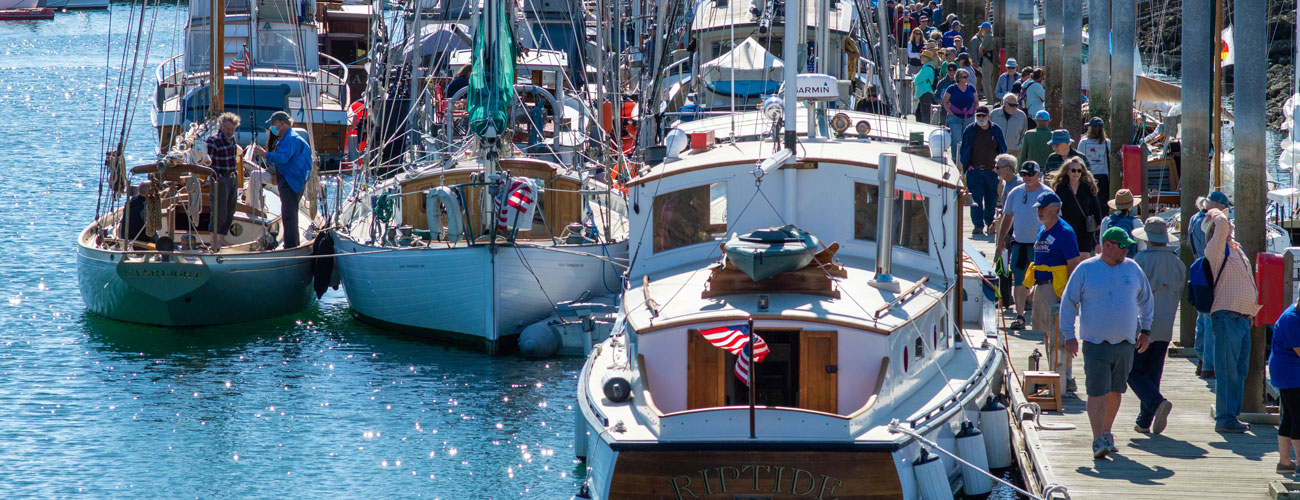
757, 71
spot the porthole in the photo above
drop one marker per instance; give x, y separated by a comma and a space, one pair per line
905, 359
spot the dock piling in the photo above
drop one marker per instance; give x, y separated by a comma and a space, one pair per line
1249, 87
1099, 59
1198, 88
1052, 57
1072, 69
1123, 32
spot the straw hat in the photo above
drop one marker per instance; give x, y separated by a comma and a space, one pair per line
1124, 200
929, 54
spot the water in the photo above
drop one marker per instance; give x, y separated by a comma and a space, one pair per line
309, 406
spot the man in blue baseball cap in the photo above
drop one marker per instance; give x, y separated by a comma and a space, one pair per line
1033, 147
1062, 149
1196, 237
1056, 252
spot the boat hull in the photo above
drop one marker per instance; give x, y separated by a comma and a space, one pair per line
74, 4
198, 290
469, 295
17, 4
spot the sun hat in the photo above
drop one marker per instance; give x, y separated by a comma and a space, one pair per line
1042, 115
1119, 236
1059, 136
928, 54
1047, 198
1155, 230
1124, 200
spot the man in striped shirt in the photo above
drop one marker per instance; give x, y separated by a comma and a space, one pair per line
1235, 303
224, 152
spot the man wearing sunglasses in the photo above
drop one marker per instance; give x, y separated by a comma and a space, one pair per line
1018, 231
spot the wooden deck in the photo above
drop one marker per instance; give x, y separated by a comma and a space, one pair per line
1189, 460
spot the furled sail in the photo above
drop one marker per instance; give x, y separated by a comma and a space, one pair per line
491, 82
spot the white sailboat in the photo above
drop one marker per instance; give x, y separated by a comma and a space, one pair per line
434, 249
864, 354
152, 259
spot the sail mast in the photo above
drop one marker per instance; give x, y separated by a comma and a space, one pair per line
217, 68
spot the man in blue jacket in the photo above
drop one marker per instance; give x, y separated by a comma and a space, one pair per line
981, 143
291, 162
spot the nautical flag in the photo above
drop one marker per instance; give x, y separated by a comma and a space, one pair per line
520, 205
1225, 47
733, 339
242, 62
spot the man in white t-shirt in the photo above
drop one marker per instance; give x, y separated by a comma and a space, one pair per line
1019, 230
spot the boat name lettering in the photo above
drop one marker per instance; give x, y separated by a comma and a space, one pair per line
571, 264
711, 481
161, 273
411, 266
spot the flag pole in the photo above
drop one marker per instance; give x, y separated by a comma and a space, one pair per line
753, 366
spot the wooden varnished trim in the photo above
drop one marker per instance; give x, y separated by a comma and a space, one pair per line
875, 392
843, 161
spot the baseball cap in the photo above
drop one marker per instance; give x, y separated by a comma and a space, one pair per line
986, 25
279, 116
1011, 62
1220, 198
1048, 198
1042, 115
1030, 168
1115, 234
982, 110
1096, 120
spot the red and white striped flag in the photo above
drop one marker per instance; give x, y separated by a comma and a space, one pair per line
734, 339
242, 62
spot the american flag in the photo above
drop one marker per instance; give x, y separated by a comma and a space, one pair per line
242, 62
734, 339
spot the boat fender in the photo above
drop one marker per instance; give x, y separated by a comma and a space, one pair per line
617, 389
995, 423
931, 477
539, 340
970, 447
443, 198
322, 267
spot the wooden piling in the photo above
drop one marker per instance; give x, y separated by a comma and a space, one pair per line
1249, 87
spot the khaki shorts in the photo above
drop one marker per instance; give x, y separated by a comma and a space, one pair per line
1046, 314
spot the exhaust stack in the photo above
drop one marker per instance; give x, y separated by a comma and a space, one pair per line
887, 170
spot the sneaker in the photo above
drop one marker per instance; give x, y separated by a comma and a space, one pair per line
1162, 416
1233, 428
1207, 374
1071, 385
1099, 448
1141, 430
1198, 368
979, 231
1286, 469
1018, 324
1110, 442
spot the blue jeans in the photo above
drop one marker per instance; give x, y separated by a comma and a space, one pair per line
1231, 360
956, 126
1205, 340
983, 186
1144, 379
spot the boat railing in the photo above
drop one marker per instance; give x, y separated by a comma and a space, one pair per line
336, 85
173, 80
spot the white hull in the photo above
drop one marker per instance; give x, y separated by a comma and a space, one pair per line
466, 294
74, 4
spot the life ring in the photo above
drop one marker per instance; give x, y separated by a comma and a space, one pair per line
443, 198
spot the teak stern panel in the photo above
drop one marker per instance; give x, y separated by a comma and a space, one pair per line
728, 474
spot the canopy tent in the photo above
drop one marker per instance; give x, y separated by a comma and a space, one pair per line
757, 71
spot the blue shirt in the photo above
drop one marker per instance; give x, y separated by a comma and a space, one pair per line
1196, 234
1125, 221
1055, 247
962, 103
292, 159
1283, 363
1111, 302
947, 37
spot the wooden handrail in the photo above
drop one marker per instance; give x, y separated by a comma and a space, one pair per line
645, 385
875, 392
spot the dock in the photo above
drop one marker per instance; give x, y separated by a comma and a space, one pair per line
1188, 460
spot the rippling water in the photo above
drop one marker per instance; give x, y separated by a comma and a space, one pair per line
313, 405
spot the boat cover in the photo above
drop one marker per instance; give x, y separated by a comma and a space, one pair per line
757, 71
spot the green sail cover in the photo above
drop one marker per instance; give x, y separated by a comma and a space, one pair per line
490, 98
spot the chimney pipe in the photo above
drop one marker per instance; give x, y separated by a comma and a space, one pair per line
887, 169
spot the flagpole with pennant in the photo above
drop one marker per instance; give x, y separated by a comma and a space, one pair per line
749, 353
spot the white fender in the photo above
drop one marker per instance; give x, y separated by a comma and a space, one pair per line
445, 198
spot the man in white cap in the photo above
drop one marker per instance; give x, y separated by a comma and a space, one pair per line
1006, 80
1167, 276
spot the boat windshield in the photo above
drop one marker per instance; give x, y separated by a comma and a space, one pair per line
688, 216
911, 219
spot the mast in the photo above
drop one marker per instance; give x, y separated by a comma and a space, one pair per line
1216, 108
217, 66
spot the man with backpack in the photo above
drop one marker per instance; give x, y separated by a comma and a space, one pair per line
1235, 304
1204, 329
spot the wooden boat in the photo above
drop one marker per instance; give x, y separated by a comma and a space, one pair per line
765, 253
152, 259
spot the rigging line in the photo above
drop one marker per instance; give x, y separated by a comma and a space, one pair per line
153, 24
524, 261
119, 88
103, 118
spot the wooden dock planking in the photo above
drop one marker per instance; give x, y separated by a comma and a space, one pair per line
1189, 460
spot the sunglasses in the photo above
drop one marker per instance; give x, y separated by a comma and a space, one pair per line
963, 77
1076, 171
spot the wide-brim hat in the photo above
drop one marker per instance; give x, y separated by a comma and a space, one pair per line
1124, 200
1059, 136
1155, 230
928, 54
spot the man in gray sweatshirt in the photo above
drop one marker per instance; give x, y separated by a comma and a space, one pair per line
1110, 296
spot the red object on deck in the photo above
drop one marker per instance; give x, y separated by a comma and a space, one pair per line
1270, 274
26, 14
1131, 159
1002, 61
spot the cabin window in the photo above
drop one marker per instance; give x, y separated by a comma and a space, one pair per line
278, 46
920, 347
911, 217
197, 51
283, 11
690, 216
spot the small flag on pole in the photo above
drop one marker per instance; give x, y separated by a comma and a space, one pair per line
1225, 47
243, 62
733, 339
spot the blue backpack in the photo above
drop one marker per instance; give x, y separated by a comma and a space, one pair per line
1201, 282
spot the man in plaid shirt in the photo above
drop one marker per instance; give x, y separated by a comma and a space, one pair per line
1236, 301
224, 152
